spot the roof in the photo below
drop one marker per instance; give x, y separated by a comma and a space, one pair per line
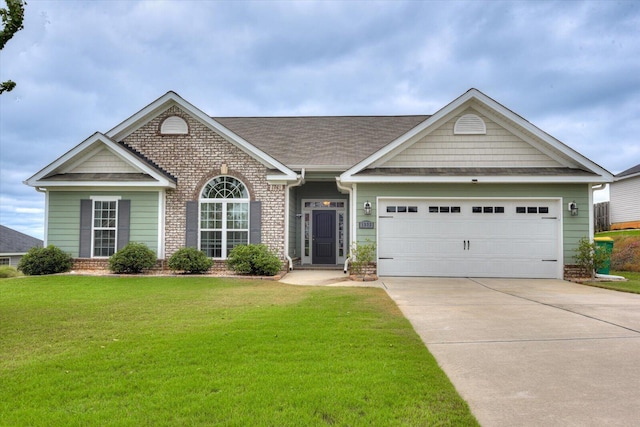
322, 142
629, 173
15, 242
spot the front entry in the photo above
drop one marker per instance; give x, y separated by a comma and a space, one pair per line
324, 237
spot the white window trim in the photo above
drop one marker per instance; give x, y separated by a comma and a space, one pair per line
224, 229
95, 199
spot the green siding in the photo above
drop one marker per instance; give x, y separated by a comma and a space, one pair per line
574, 228
64, 217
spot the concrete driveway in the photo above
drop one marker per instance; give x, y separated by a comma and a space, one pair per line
531, 352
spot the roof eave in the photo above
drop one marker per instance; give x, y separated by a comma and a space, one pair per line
471, 179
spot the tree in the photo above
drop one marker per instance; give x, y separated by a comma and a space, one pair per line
12, 22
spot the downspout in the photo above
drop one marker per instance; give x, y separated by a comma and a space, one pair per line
592, 226
352, 221
46, 214
296, 183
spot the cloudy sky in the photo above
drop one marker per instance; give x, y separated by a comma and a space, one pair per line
571, 68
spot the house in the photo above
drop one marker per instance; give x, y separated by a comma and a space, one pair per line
472, 190
14, 244
623, 199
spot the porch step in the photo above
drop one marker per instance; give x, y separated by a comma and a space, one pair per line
336, 267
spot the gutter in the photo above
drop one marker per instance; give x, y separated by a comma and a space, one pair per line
297, 183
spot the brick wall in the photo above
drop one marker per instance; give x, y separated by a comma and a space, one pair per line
196, 158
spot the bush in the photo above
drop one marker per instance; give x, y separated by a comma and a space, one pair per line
190, 261
49, 260
589, 256
256, 260
361, 256
626, 253
7, 271
132, 259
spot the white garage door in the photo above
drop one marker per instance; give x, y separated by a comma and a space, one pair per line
469, 238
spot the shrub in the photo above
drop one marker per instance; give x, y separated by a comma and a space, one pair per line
256, 260
133, 258
626, 253
190, 260
361, 256
589, 256
49, 260
7, 271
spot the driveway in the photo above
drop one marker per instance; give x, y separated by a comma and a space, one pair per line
531, 352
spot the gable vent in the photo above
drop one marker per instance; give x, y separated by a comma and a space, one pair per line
174, 125
470, 124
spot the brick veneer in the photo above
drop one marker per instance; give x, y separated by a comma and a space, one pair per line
196, 158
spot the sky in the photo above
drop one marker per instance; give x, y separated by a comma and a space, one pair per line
572, 68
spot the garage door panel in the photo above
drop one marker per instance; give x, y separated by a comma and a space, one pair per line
473, 238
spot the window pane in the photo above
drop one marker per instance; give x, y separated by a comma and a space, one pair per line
104, 242
237, 216
211, 243
211, 215
225, 187
235, 238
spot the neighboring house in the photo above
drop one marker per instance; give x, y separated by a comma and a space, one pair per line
472, 190
624, 206
14, 244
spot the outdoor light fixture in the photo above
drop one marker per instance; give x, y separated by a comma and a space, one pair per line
367, 208
326, 203
573, 208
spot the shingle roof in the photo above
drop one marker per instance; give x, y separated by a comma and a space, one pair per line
631, 171
323, 141
15, 242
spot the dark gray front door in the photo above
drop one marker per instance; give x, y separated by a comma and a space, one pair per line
324, 237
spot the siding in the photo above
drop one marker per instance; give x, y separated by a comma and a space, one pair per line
64, 217
623, 196
574, 228
104, 161
498, 148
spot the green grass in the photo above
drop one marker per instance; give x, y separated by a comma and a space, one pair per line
142, 351
632, 285
618, 233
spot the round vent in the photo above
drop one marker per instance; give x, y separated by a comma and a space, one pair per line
174, 125
470, 124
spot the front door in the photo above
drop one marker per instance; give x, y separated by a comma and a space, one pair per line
324, 237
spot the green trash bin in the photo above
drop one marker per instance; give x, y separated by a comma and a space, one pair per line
607, 244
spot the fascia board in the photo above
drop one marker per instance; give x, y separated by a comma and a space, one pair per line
480, 180
171, 98
67, 185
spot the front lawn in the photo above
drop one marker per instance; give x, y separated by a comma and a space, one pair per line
631, 285
146, 351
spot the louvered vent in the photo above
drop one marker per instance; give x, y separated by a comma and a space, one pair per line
174, 125
470, 124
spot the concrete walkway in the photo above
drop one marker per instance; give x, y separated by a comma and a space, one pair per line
524, 352
531, 352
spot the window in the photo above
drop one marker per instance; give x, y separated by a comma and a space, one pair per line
5, 261
105, 226
224, 216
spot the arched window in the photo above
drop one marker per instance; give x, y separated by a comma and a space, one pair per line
224, 216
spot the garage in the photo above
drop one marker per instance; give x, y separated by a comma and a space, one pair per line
469, 237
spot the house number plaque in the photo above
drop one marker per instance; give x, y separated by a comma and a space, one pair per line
367, 224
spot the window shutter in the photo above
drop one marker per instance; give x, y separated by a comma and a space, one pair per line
255, 222
191, 235
124, 219
86, 214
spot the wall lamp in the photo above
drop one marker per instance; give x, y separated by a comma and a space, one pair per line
573, 208
367, 208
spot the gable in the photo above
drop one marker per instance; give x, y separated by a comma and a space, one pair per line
492, 143
99, 161
445, 148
